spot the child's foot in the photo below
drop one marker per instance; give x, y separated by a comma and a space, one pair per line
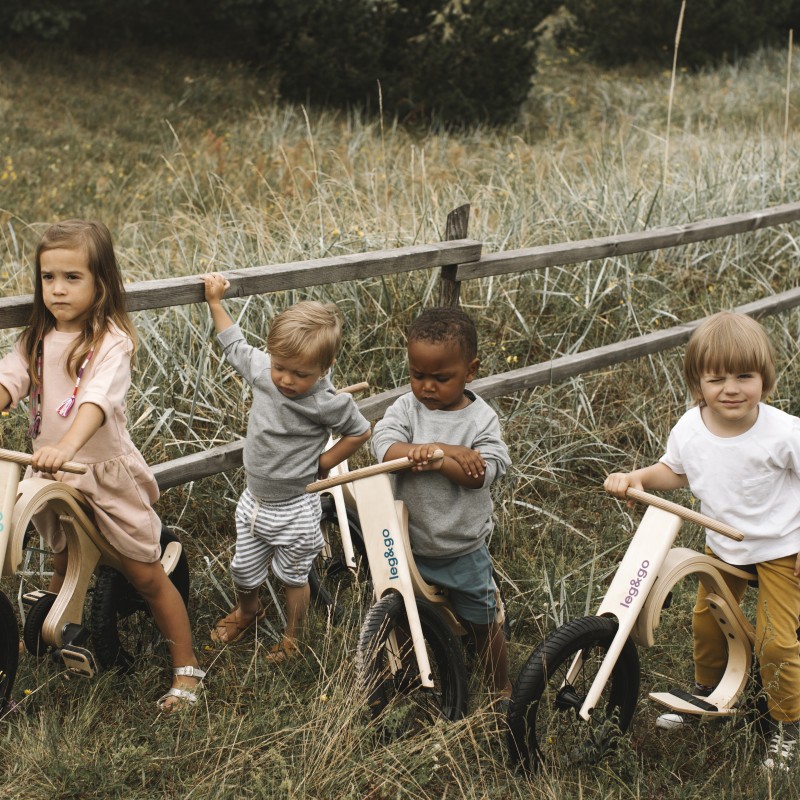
235, 625
183, 692
285, 650
783, 747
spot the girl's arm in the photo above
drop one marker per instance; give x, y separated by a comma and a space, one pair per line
5, 398
460, 465
87, 422
657, 476
215, 287
340, 451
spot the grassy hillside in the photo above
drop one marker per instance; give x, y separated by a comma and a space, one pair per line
196, 166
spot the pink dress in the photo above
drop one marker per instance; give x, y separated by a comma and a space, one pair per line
118, 484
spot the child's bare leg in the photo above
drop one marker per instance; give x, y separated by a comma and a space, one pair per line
59, 571
298, 599
169, 613
248, 603
492, 651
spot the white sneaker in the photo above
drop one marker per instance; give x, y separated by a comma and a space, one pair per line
671, 721
782, 746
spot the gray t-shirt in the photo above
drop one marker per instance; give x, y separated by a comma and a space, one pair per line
445, 519
285, 436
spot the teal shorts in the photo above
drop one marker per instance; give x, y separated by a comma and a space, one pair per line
469, 583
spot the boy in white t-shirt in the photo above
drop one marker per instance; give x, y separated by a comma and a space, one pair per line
741, 459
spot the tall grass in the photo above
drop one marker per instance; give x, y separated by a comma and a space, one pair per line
196, 166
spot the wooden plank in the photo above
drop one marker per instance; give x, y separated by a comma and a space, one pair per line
560, 369
553, 255
225, 458
457, 227
14, 311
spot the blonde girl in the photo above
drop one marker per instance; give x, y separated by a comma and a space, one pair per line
73, 361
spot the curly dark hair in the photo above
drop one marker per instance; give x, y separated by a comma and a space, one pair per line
446, 324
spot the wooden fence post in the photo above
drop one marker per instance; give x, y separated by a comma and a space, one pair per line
457, 225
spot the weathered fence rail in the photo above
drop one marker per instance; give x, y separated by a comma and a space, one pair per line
459, 259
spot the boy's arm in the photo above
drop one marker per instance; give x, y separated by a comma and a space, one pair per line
452, 466
657, 476
215, 287
343, 449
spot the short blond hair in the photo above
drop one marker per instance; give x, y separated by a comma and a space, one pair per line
729, 342
309, 330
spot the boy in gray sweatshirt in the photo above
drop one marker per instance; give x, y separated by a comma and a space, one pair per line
295, 408
448, 500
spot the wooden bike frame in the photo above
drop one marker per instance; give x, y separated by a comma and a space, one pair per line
649, 569
86, 546
384, 525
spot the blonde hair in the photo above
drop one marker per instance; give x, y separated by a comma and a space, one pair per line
729, 342
309, 330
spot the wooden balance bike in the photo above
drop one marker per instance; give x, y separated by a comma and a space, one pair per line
339, 579
120, 622
409, 659
578, 690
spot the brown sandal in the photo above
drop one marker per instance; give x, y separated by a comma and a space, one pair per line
285, 650
229, 629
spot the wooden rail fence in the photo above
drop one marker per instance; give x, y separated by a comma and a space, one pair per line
459, 258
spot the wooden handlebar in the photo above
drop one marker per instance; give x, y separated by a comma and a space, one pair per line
25, 460
685, 513
356, 387
394, 465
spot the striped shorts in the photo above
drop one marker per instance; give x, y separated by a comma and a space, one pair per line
286, 535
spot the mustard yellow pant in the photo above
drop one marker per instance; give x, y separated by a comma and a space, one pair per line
776, 646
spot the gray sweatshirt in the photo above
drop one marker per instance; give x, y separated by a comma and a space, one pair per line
285, 436
445, 519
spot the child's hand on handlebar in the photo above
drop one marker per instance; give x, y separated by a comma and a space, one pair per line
422, 455
50, 458
618, 483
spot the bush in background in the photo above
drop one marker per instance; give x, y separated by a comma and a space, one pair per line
456, 62
614, 32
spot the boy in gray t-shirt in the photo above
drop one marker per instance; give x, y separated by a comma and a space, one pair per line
449, 505
294, 410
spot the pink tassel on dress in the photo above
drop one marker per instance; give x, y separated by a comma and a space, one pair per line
66, 406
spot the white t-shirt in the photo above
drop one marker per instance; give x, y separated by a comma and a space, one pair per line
750, 482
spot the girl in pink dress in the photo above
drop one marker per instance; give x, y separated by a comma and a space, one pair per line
73, 360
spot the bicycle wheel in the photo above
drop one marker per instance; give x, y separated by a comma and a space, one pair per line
121, 623
335, 588
34, 620
9, 650
544, 726
397, 698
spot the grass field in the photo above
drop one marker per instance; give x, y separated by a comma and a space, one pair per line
196, 166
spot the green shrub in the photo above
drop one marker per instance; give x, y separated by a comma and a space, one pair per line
453, 61
613, 32
462, 61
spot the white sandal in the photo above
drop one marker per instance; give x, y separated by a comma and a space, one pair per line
186, 697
